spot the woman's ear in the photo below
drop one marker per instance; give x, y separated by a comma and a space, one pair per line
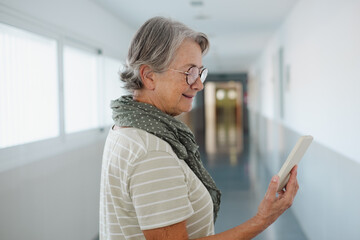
147, 77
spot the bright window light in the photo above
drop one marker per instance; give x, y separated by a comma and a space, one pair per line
28, 87
80, 89
113, 85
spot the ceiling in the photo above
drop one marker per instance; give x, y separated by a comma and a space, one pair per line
238, 29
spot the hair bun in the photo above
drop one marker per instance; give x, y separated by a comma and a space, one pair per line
130, 78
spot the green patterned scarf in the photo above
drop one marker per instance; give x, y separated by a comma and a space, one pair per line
127, 112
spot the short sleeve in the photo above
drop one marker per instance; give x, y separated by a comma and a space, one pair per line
159, 192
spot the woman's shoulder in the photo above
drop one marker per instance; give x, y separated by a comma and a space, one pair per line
127, 137
138, 138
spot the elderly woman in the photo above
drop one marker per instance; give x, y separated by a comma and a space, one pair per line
154, 185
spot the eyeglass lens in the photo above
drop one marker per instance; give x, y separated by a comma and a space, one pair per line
194, 73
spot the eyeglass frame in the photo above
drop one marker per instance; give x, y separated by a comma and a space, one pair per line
201, 70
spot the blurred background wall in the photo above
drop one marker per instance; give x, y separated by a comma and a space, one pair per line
306, 81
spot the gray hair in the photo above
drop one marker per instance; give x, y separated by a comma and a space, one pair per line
155, 44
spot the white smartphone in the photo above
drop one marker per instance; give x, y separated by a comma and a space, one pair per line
293, 159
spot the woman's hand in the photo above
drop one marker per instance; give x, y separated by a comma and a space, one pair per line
271, 207
274, 204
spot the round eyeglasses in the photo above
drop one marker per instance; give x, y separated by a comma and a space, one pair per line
193, 73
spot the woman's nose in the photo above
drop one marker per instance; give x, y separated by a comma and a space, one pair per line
197, 85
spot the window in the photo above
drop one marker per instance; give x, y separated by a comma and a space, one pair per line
48, 90
81, 89
29, 109
29, 87
113, 86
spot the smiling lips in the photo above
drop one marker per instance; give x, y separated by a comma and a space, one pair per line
188, 96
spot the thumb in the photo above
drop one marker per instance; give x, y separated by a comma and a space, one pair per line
273, 186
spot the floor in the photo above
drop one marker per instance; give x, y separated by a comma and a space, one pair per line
243, 180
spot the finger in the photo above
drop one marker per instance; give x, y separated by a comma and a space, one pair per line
294, 169
272, 189
293, 176
292, 186
281, 193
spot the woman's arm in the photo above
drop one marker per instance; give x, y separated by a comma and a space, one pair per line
271, 207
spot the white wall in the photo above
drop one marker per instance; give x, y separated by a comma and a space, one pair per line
50, 189
321, 46
53, 198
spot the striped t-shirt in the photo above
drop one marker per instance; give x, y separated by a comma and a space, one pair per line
144, 185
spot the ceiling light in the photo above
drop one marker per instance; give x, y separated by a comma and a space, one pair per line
196, 3
220, 94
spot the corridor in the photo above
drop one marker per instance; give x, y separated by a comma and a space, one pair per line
243, 185
277, 70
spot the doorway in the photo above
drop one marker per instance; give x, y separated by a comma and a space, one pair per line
224, 119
